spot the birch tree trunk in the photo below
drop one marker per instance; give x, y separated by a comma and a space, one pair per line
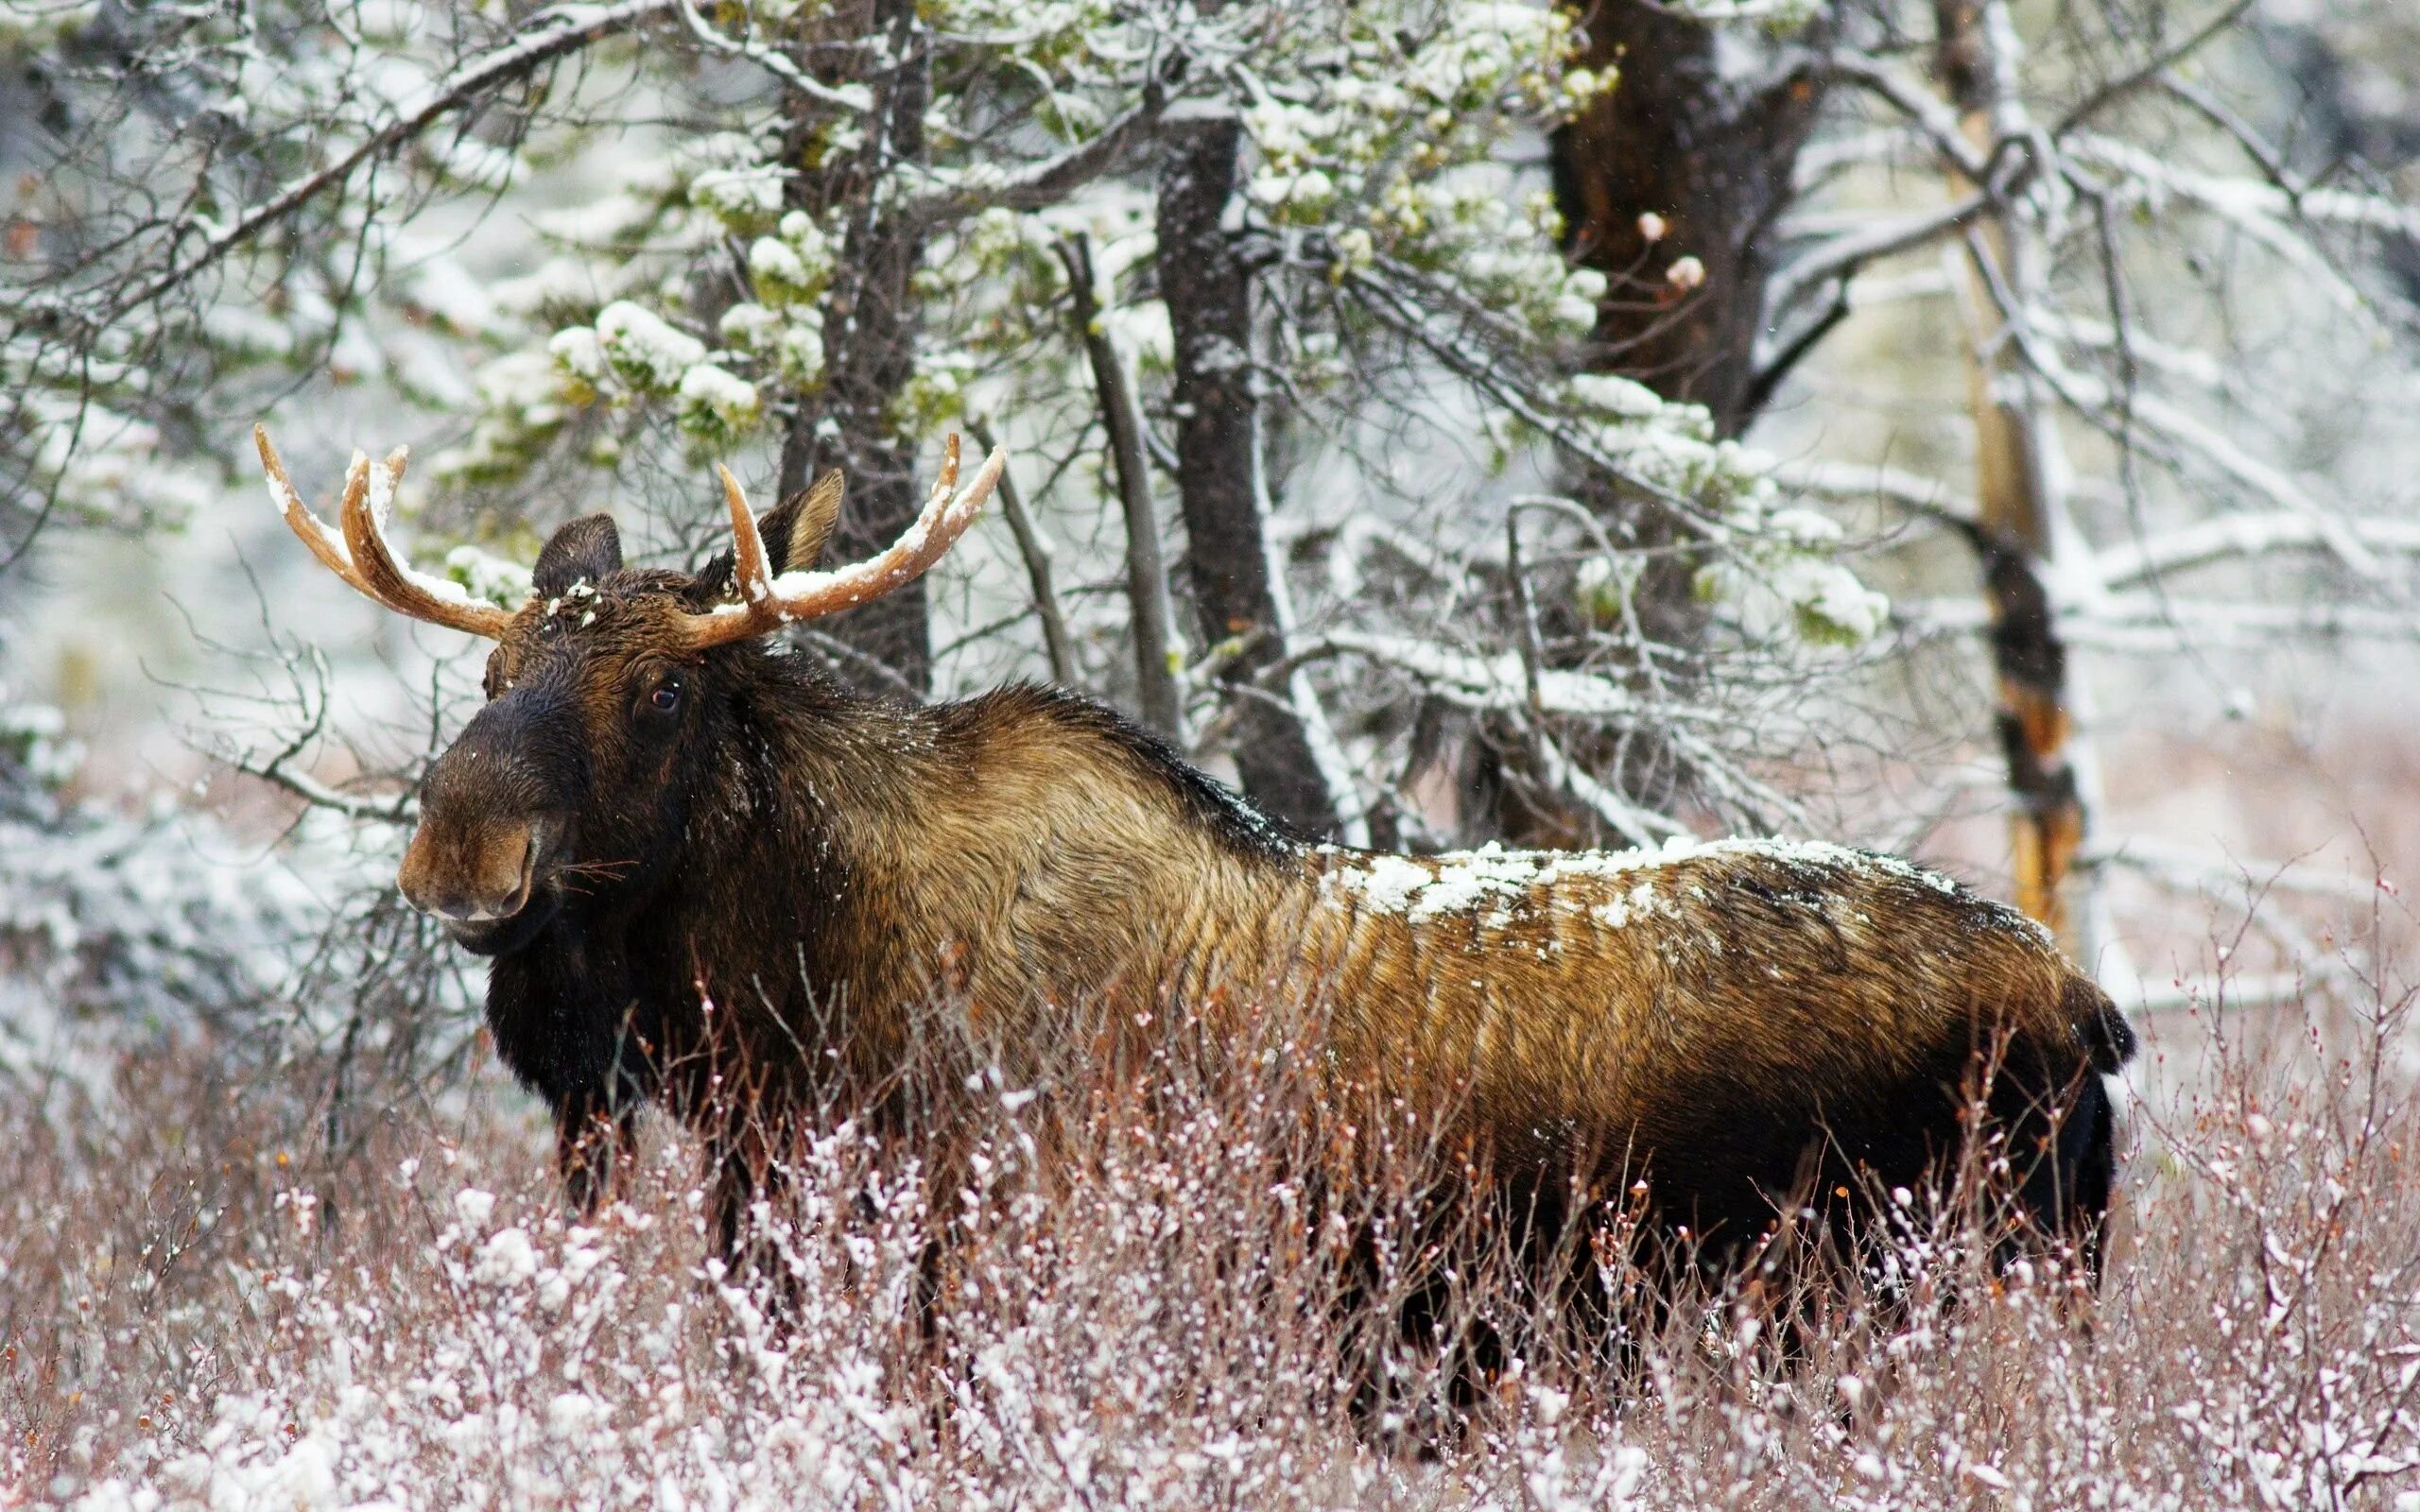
1237, 593
2018, 475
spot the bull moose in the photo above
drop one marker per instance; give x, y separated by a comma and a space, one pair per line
660, 816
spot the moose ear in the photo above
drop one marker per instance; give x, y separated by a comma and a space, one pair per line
588, 547
796, 531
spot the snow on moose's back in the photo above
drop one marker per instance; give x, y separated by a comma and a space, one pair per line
1493, 885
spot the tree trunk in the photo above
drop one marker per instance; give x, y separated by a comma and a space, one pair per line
1207, 286
1711, 156
1160, 694
870, 327
2019, 514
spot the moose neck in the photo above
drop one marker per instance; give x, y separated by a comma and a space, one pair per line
799, 792
1027, 837
834, 865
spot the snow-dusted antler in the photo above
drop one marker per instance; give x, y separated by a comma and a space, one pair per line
766, 602
359, 554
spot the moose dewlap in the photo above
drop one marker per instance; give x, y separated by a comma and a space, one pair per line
658, 822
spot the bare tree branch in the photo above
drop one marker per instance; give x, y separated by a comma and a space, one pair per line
1845, 255
1933, 118
1156, 672
548, 36
2119, 87
1041, 184
1057, 643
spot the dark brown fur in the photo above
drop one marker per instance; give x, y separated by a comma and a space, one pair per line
822, 867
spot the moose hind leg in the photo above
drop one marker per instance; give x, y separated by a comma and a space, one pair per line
2060, 1133
2079, 1170
746, 1186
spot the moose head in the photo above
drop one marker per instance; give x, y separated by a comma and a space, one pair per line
602, 687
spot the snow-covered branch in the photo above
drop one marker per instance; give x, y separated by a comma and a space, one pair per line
2194, 445
547, 37
1472, 681
403, 808
2159, 625
2270, 216
852, 99
988, 186
1855, 482
2233, 537
2203, 870
1502, 382
1638, 825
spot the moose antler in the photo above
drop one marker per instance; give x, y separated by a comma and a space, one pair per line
766, 602
359, 553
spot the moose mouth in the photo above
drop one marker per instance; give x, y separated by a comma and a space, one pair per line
501, 937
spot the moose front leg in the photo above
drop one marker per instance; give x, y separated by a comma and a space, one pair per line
745, 1187
568, 1023
596, 1149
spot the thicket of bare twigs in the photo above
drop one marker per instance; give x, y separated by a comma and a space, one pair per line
202, 1312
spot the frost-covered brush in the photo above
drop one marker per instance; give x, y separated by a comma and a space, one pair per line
660, 823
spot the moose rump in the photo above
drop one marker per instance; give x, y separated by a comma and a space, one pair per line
1732, 1022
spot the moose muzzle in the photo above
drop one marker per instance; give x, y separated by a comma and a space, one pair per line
472, 873
494, 812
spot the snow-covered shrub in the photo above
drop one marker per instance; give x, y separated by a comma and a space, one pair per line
1134, 1303
118, 931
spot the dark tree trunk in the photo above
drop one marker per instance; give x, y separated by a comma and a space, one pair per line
870, 328
1207, 286
1713, 157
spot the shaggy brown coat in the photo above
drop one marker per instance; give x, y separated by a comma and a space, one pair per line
768, 885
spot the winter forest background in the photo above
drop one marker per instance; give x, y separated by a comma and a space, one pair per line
1982, 429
